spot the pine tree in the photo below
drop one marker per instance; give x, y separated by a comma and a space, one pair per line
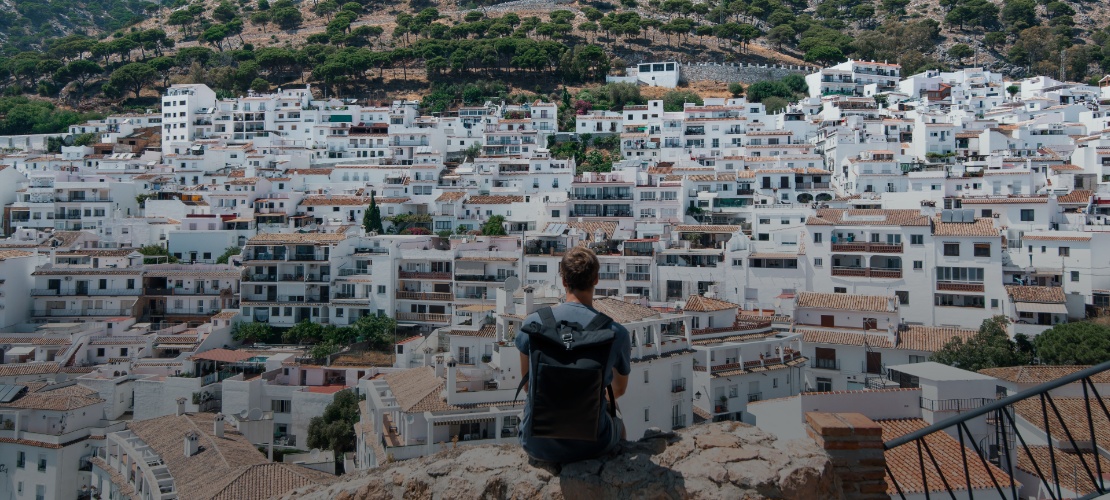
372, 218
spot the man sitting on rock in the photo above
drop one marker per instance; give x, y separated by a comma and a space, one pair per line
575, 363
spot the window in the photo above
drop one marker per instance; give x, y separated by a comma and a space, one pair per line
21, 460
40, 492
646, 376
840, 289
918, 359
1075, 275
647, 415
737, 262
1064, 251
281, 405
1027, 215
982, 250
817, 237
122, 351
733, 391
917, 239
818, 262
918, 265
42, 463
775, 383
381, 289
824, 384
952, 249
537, 268
100, 352
903, 297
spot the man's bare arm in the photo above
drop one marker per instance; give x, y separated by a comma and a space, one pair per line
620, 383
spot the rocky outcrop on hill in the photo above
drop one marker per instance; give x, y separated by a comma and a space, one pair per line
726, 460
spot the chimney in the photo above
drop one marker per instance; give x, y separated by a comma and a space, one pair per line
218, 425
180, 406
529, 300
192, 443
854, 444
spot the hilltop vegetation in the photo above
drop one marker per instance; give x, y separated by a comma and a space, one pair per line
372, 48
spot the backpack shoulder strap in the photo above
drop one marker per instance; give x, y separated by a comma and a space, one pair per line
548, 327
601, 321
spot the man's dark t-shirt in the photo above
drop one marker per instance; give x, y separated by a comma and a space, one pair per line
565, 450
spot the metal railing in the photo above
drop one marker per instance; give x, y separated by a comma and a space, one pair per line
1003, 452
826, 364
678, 384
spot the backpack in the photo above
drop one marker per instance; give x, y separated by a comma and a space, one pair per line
567, 366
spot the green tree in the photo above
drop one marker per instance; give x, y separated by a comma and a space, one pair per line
1080, 343
1019, 14
675, 100
133, 77
251, 332
372, 217
960, 51
156, 255
303, 332
494, 226
989, 348
376, 329
1013, 90
736, 89
824, 54
334, 430
229, 252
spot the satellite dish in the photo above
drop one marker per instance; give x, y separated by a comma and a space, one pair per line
68, 140
314, 454
512, 283
243, 415
255, 414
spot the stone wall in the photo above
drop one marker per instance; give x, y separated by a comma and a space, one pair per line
741, 72
718, 460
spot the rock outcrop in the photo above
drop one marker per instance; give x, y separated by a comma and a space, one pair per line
726, 460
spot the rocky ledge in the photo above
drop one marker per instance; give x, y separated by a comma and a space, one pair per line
726, 460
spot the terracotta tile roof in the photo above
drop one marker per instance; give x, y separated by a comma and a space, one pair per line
226, 315
983, 226
1074, 412
295, 238
114, 476
62, 271
493, 200
52, 402
391, 201
335, 200
1053, 237
412, 387
232, 273
868, 217
930, 338
309, 171
114, 252
1065, 167
1015, 199
451, 196
12, 370
120, 340
699, 303
624, 312
1068, 464
13, 254
589, 228
486, 331
221, 468
222, 355
1079, 196
844, 301
845, 338
727, 229
1043, 294
1039, 374
905, 468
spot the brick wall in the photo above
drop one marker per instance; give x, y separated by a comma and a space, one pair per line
854, 444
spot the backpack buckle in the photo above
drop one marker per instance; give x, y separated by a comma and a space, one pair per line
568, 338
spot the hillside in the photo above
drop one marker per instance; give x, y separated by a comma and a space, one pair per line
380, 50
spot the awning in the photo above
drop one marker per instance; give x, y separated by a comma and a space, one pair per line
1040, 307
21, 350
463, 419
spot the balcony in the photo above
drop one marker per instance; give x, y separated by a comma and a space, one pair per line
959, 286
720, 408
638, 276
306, 257
423, 317
425, 275
865, 272
678, 421
608, 276
85, 293
867, 247
811, 185
437, 296
754, 396
826, 364
180, 291
81, 312
355, 271
266, 278
480, 278
265, 256
678, 385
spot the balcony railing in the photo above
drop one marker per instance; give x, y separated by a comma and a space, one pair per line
81, 312
609, 276
637, 276
439, 296
678, 421
956, 286
423, 317
1009, 442
354, 272
866, 272
426, 275
754, 396
86, 293
956, 405
826, 364
678, 385
480, 278
867, 247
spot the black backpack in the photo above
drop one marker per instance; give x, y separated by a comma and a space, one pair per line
567, 366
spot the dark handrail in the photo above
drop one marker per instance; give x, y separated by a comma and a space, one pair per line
997, 405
